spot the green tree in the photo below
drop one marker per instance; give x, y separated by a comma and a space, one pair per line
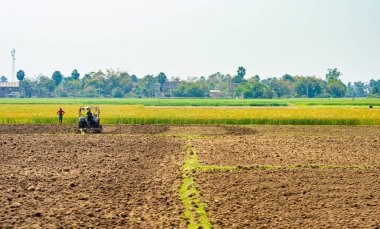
87, 76
27, 85
336, 88
117, 92
360, 89
247, 91
333, 74
75, 74
90, 91
57, 77
351, 90
219, 81
256, 78
3, 79
134, 79
375, 91
148, 86
287, 77
239, 91
283, 87
161, 78
192, 89
374, 86
44, 86
251, 90
243, 90
126, 82
308, 86
102, 83
240, 75
73, 87
258, 90
20, 75
241, 72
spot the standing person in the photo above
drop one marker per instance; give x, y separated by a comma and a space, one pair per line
90, 118
60, 114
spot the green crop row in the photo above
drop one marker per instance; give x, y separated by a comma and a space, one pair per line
197, 101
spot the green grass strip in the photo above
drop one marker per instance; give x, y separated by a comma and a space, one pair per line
195, 210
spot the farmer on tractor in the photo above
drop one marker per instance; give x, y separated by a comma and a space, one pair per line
90, 117
89, 120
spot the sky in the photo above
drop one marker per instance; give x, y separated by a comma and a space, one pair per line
192, 38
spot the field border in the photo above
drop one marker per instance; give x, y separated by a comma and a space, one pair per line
195, 211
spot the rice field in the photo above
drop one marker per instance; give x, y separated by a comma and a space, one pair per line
139, 114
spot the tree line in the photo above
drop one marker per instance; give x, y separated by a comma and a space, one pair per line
120, 84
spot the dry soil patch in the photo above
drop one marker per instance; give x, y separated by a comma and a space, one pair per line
71, 129
293, 145
93, 180
304, 198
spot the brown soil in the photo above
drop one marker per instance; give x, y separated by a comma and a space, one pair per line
128, 129
129, 176
305, 198
135, 129
70, 129
36, 129
196, 130
294, 145
217, 130
94, 180
239, 130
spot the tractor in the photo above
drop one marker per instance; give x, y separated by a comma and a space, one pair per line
89, 120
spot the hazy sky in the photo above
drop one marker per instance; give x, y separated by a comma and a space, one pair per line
192, 38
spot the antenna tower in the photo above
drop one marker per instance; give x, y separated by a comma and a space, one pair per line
13, 76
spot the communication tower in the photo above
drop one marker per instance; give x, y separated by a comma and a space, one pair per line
13, 76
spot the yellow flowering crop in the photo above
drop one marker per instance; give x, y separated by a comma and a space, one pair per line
138, 114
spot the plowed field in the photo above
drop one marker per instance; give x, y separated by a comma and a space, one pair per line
305, 198
190, 176
284, 145
93, 180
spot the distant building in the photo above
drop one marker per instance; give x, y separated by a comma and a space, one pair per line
167, 86
215, 94
9, 89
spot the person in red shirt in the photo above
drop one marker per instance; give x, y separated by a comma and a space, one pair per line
60, 114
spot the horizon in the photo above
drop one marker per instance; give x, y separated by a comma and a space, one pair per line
193, 39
